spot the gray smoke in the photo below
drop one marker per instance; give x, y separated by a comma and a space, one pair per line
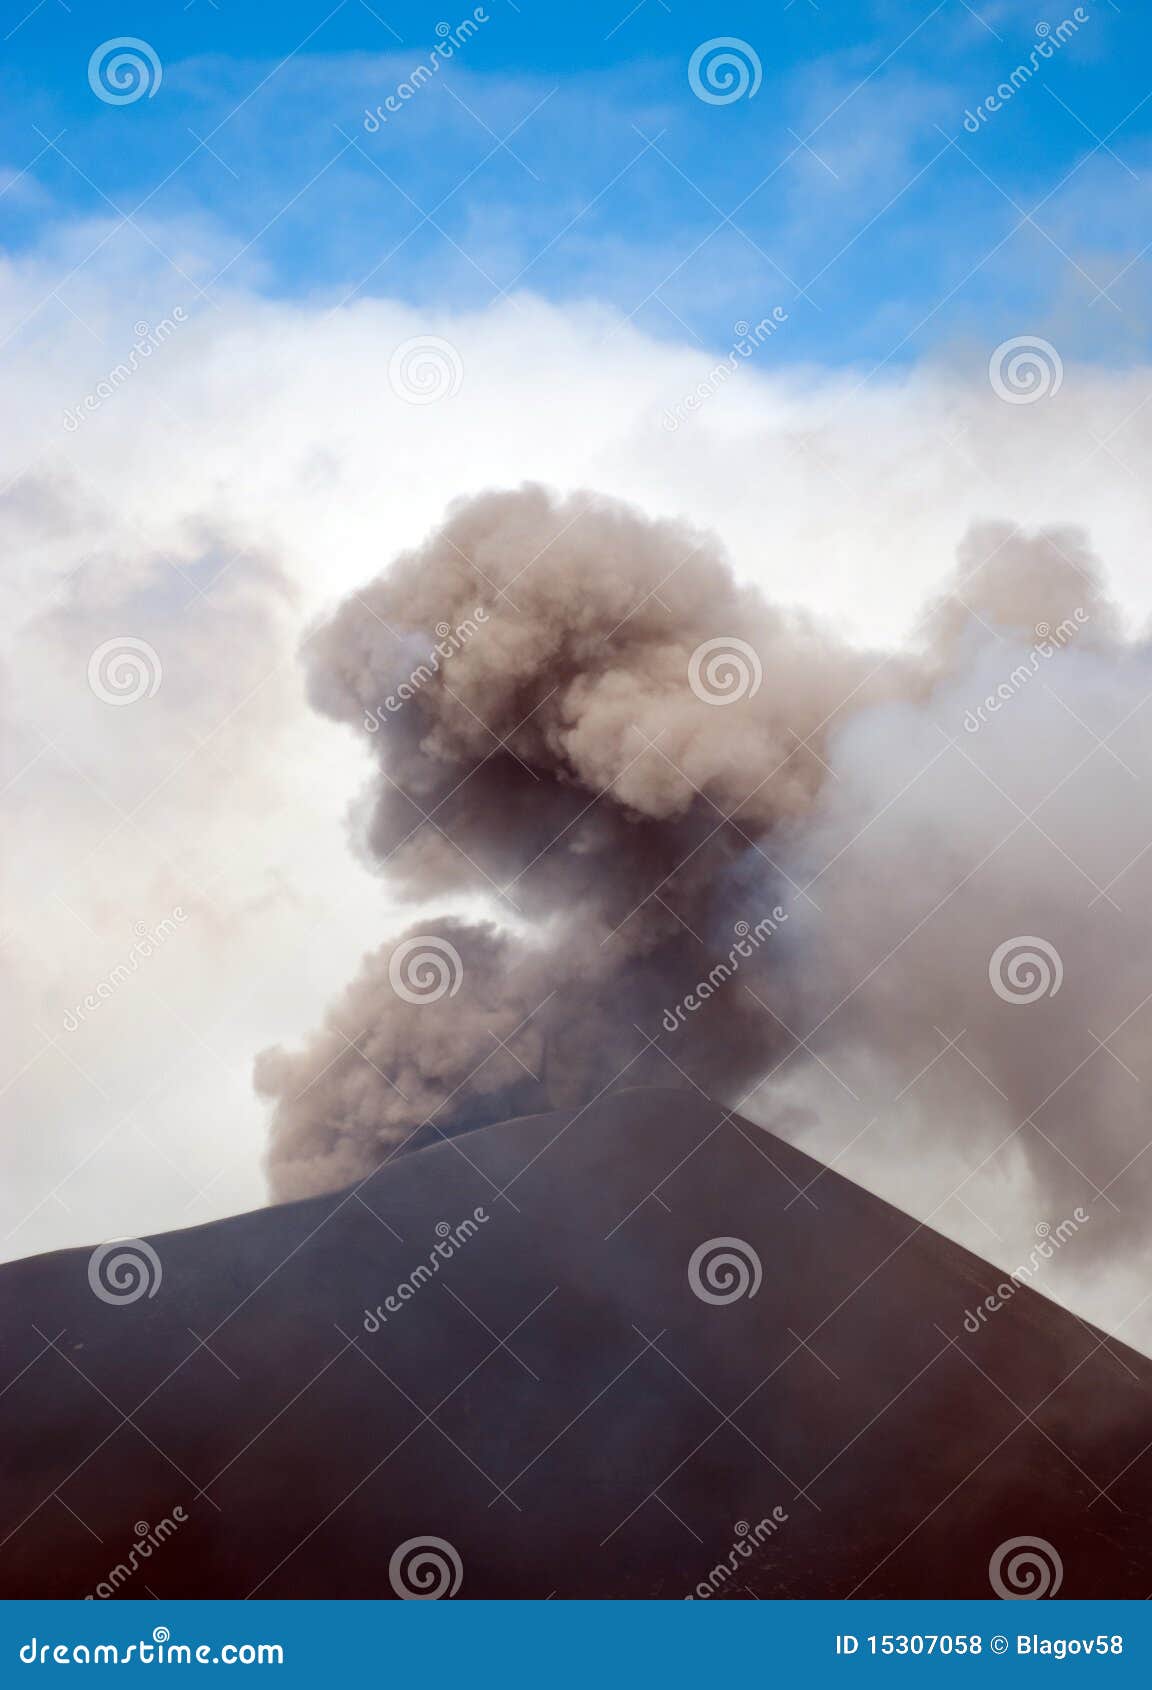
707, 843
983, 865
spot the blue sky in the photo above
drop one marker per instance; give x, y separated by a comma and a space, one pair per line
564, 151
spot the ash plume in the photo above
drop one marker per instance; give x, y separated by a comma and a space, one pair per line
708, 845
983, 865
616, 728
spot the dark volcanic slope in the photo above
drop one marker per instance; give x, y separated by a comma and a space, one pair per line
556, 1402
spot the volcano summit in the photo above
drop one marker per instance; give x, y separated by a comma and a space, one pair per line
643, 1349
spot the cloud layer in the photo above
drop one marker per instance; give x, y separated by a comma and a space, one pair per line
260, 468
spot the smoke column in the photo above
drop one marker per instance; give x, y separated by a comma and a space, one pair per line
710, 846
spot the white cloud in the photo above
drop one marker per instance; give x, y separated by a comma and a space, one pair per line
251, 471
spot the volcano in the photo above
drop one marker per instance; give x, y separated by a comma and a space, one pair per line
642, 1349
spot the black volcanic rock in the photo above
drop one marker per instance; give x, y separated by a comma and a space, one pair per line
555, 1401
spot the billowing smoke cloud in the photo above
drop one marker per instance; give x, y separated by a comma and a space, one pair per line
581, 717
710, 846
983, 865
